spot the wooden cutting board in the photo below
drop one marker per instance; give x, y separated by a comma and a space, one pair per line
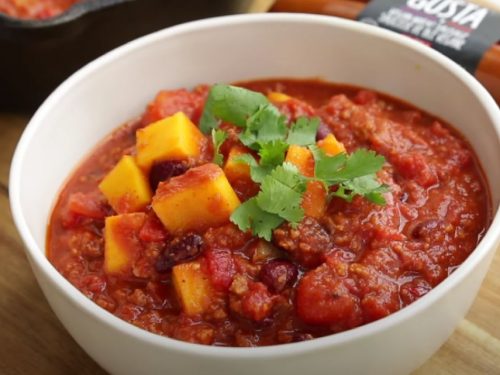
32, 341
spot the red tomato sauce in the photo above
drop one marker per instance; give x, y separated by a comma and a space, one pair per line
357, 263
35, 9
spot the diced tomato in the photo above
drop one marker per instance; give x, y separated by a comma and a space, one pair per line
90, 205
221, 267
324, 298
168, 103
153, 230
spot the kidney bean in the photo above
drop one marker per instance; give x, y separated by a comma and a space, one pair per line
181, 249
164, 170
278, 274
323, 131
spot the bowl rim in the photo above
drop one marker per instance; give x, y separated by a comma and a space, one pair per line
38, 257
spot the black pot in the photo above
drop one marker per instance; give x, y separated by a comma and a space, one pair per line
37, 55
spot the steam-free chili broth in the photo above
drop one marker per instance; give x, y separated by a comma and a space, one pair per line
173, 269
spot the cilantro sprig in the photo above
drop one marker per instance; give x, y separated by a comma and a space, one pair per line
282, 186
353, 174
231, 104
218, 138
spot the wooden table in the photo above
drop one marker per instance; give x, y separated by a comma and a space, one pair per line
32, 341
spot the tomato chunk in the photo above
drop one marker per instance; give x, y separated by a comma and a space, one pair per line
222, 268
324, 298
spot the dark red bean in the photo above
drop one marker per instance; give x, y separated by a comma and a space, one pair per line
323, 131
164, 170
181, 249
278, 274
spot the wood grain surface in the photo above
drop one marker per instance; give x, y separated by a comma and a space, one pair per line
32, 341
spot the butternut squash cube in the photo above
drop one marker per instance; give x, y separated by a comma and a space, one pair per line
278, 97
173, 138
331, 146
236, 170
193, 287
122, 246
125, 187
314, 200
302, 158
200, 198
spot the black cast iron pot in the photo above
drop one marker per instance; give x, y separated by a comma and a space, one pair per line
37, 55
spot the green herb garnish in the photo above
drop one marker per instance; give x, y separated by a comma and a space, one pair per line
264, 130
231, 104
249, 215
218, 138
303, 132
281, 193
353, 174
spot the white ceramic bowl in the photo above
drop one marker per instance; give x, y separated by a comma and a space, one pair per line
116, 88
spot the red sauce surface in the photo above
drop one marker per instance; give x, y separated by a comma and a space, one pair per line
358, 263
35, 9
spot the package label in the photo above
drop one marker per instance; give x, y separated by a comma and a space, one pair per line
461, 30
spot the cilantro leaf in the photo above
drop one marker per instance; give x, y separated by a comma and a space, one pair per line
265, 125
377, 197
367, 186
353, 174
342, 167
247, 159
281, 193
360, 163
326, 166
250, 216
218, 138
272, 153
257, 172
303, 131
249, 139
231, 104
269, 124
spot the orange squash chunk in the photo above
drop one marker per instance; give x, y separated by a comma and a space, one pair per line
193, 287
199, 199
121, 242
125, 187
314, 200
302, 158
331, 146
278, 97
236, 170
173, 138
